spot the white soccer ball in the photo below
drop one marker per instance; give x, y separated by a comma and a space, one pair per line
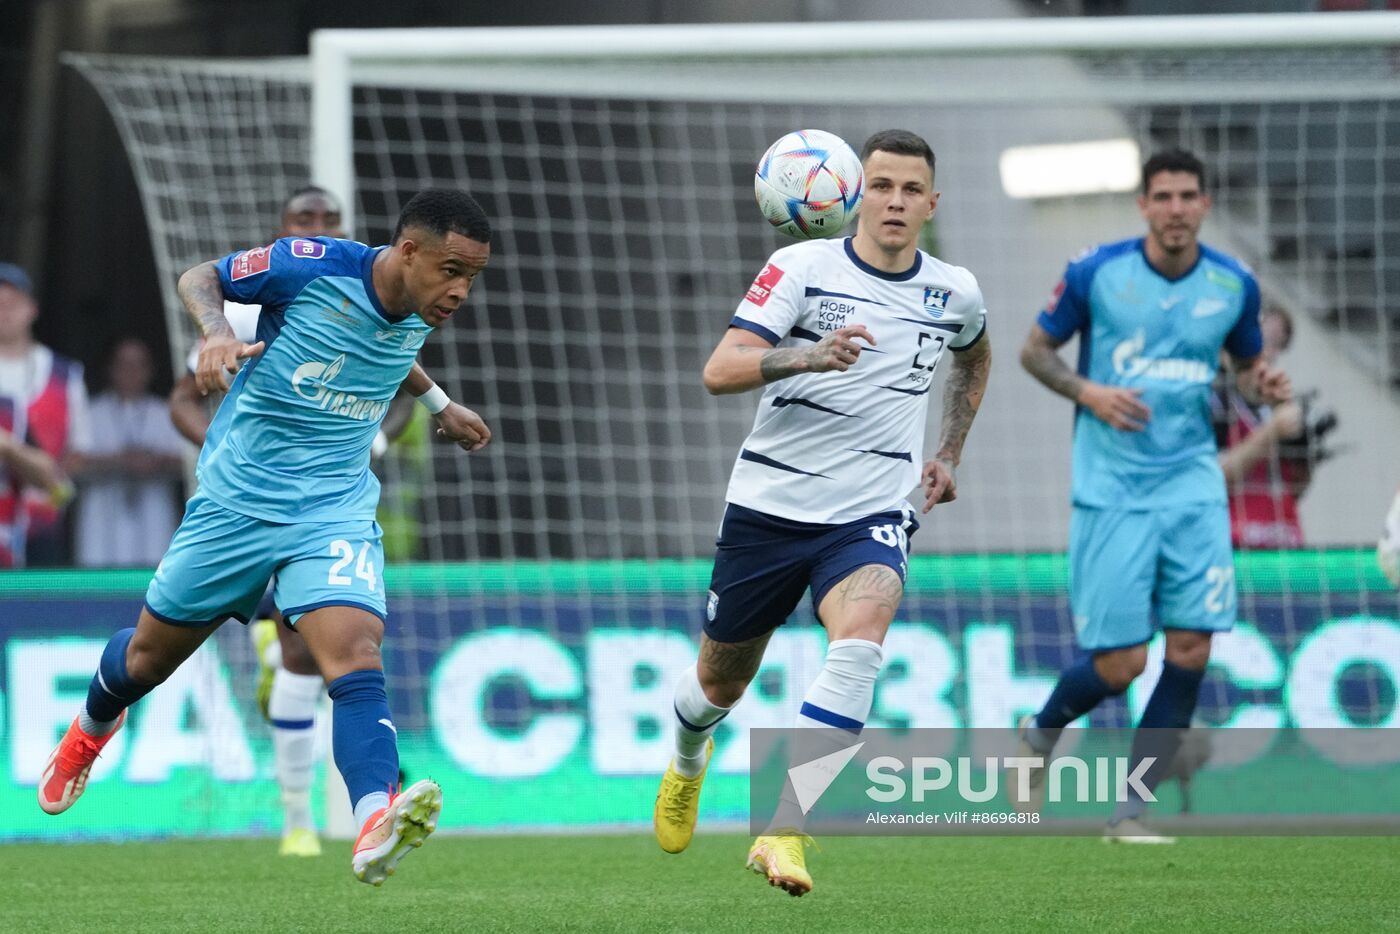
809, 184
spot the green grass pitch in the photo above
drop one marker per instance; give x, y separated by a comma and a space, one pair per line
624, 883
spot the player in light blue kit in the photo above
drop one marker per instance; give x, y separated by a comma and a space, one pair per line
285, 490
1150, 531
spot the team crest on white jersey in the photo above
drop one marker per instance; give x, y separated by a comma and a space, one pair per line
936, 300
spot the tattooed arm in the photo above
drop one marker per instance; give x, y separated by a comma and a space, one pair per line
744, 360
1116, 405
962, 396
222, 352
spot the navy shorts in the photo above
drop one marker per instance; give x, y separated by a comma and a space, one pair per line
764, 563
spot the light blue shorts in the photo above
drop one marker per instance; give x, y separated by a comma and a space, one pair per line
220, 561
1128, 566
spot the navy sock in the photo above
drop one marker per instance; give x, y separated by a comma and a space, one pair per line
112, 689
1167, 716
1079, 690
363, 737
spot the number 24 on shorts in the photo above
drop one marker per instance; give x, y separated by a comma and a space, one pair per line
364, 567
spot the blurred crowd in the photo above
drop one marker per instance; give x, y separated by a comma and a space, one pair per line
93, 481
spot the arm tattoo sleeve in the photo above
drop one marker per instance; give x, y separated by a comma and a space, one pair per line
962, 396
204, 299
780, 364
1043, 362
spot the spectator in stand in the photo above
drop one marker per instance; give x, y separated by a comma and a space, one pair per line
43, 411
128, 471
1267, 454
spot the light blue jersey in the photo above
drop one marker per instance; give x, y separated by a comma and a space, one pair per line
291, 441
1140, 330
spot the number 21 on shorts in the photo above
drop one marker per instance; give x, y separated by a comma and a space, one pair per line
364, 567
1220, 584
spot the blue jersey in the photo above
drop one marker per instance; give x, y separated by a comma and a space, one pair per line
1140, 330
291, 441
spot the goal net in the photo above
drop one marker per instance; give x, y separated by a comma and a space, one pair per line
546, 591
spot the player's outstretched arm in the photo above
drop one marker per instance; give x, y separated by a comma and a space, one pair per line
455, 422
222, 352
1115, 405
187, 412
962, 396
461, 425
743, 360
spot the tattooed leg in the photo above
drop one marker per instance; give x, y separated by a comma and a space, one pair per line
726, 668
862, 605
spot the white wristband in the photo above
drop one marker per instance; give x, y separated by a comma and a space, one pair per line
435, 400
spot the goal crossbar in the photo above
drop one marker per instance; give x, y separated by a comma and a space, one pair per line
336, 54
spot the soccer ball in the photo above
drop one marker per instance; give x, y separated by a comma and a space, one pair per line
809, 184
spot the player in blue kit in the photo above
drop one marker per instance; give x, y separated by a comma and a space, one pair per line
843, 337
285, 491
1150, 530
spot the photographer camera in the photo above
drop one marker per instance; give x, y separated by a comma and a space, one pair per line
1268, 455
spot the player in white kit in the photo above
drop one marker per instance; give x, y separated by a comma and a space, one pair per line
845, 337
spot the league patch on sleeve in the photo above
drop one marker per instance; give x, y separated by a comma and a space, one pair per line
764, 284
250, 263
308, 249
1054, 302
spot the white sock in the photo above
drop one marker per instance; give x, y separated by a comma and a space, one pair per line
366, 806
835, 708
292, 710
845, 688
272, 654
94, 727
696, 720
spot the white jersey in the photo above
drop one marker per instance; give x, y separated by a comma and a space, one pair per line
244, 321
832, 447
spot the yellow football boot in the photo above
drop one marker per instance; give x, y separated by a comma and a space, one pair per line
780, 859
300, 841
677, 803
263, 632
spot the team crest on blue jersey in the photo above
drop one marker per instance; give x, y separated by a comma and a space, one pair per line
712, 606
308, 249
936, 300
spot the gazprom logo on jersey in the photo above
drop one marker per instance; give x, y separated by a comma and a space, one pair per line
936, 300
312, 381
1129, 362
